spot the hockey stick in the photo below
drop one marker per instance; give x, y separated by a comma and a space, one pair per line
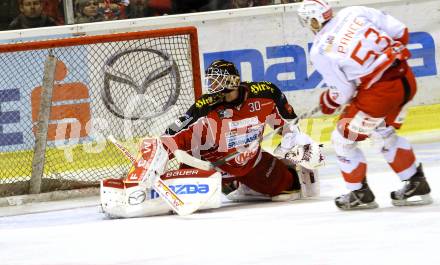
185, 158
160, 187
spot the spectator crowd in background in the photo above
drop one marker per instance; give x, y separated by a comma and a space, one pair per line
23, 14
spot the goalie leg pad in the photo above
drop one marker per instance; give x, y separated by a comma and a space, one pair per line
309, 180
196, 187
120, 199
126, 200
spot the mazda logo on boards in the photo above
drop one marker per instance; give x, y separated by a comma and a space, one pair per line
136, 75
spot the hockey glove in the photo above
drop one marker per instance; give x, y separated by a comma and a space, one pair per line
308, 156
398, 51
290, 140
328, 105
300, 149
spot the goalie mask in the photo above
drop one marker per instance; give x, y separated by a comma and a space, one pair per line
318, 10
221, 76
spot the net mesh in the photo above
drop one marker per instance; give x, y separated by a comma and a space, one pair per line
125, 88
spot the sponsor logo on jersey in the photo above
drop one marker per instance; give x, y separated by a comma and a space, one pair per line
225, 113
184, 189
209, 100
233, 140
262, 86
243, 123
244, 157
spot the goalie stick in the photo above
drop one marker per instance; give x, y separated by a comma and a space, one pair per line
185, 158
169, 196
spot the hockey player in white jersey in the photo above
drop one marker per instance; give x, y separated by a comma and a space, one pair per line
361, 54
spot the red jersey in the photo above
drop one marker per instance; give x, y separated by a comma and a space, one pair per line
213, 128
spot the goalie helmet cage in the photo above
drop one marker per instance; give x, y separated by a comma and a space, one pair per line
128, 85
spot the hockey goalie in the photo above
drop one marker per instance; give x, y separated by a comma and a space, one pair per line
149, 190
227, 122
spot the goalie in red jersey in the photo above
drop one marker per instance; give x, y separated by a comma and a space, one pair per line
230, 119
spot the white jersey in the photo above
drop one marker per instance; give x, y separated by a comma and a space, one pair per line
353, 49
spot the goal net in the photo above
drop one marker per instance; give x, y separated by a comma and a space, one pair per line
128, 85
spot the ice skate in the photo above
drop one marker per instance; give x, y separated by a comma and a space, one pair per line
414, 192
357, 199
287, 196
245, 194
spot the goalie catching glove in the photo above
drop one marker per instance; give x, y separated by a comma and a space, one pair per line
301, 150
327, 101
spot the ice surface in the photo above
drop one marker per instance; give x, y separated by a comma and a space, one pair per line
302, 232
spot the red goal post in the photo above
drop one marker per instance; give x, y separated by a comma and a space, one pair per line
125, 84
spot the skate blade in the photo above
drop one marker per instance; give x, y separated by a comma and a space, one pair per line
419, 200
364, 206
249, 198
286, 197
